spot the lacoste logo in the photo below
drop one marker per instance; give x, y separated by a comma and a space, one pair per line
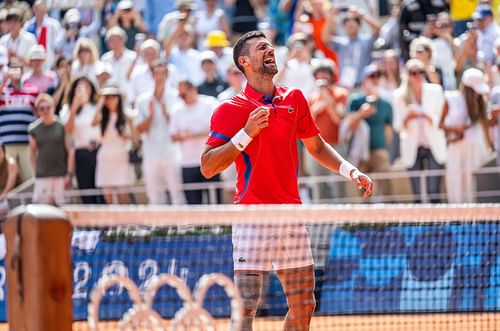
242, 259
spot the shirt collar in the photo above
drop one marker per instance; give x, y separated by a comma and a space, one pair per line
251, 93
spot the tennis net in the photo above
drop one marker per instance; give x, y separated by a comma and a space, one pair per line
377, 267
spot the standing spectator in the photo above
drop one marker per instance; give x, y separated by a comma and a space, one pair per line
444, 46
51, 154
328, 106
354, 50
421, 49
21, 6
464, 123
417, 107
113, 171
62, 67
488, 32
494, 117
210, 19
367, 106
414, 14
119, 57
17, 111
179, 50
47, 30
190, 127
160, 162
212, 85
467, 54
77, 115
8, 179
130, 20
85, 59
171, 21
217, 42
43, 79
17, 41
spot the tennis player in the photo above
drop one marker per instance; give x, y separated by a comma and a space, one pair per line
258, 129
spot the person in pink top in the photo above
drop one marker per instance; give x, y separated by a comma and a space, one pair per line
39, 77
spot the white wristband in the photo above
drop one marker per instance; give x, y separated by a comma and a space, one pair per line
346, 169
241, 140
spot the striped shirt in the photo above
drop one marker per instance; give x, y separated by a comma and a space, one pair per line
16, 113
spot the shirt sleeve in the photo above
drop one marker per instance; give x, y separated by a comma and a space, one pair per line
221, 126
306, 127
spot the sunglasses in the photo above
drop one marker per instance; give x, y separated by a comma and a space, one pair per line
416, 72
43, 108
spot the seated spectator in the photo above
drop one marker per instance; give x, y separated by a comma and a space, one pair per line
130, 20
328, 107
43, 79
212, 85
422, 49
47, 31
17, 111
354, 49
209, 19
17, 41
85, 59
114, 173
8, 179
367, 106
464, 122
190, 127
417, 108
217, 42
77, 115
51, 154
160, 162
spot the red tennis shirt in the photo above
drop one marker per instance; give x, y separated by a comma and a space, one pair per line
267, 168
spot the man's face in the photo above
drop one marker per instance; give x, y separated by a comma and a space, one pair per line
150, 54
261, 56
116, 43
351, 27
160, 74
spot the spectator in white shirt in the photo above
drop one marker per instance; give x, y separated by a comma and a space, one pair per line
160, 162
190, 126
85, 59
17, 41
47, 30
120, 58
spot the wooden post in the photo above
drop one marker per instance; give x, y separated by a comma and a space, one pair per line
38, 264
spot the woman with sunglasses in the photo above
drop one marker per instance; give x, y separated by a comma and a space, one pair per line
51, 154
464, 121
114, 173
417, 109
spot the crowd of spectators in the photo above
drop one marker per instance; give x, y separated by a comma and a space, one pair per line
89, 95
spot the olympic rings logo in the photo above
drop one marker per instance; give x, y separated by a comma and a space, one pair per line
192, 313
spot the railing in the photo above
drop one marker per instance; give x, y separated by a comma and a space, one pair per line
312, 185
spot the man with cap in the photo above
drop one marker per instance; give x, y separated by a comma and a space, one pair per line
217, 42
213, 84
17, 41
45, 29
488, 32
170, 22
39, 77
119, 57
494, 117
367, 106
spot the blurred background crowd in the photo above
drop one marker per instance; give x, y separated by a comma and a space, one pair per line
108, 96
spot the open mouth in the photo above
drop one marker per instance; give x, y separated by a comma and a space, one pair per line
269, 61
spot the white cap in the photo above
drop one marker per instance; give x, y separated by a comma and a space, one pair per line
125, 4
474, 78
4, 56
37, 52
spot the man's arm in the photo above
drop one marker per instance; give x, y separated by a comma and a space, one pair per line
215, 159
331, 159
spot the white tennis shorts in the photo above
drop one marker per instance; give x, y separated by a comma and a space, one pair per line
268, 247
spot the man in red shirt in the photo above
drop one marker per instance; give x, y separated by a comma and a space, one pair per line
258, 130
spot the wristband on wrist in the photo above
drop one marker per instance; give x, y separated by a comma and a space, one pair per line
241, 140
346, 169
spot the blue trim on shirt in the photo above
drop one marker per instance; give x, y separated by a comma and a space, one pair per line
248, 172
220, 136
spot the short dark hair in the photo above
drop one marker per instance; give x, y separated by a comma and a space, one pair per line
189, 84
159, 63
240, 47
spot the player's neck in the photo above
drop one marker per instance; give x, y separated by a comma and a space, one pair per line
263, 84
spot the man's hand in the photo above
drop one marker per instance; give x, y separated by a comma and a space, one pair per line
363, 183
258, 120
